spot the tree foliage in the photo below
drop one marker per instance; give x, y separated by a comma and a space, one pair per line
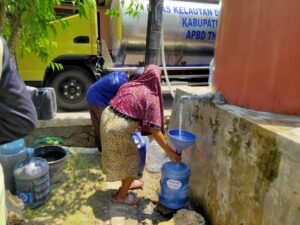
132, 8
29, 23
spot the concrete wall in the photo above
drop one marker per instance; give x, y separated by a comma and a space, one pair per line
245, 164
74, 128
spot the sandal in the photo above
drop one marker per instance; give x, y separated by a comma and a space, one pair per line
130, 199
137, 184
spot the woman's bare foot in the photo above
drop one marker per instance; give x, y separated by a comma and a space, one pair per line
130, 199
137, 184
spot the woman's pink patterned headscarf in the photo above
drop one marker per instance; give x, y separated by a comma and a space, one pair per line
141, 99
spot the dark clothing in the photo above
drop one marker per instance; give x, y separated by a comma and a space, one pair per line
96, 112
99, 96
103, 90
17, 112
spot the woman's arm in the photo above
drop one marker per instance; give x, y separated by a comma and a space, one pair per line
160, 139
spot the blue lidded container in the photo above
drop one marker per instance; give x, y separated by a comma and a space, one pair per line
174, 185
10, 154
12, 147
141, 144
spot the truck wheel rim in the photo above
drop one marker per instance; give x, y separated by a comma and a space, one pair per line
72, 90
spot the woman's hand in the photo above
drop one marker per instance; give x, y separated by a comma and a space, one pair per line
160, 139
174, 157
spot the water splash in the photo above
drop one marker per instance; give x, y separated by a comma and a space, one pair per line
180, 119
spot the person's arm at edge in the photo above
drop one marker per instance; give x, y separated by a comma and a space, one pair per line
18, 116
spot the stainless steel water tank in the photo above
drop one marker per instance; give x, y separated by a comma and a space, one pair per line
189, 27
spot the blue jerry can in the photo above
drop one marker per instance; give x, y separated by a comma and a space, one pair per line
174, 185
141, 144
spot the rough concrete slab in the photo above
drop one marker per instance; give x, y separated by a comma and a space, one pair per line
92, 151
74, 129
65, 119
68, 119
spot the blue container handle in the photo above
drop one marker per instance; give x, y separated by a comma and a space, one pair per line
29, 152
138, 139
141, 145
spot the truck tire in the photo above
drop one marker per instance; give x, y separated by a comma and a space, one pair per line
71, 86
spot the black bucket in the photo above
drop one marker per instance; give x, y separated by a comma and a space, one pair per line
56, 157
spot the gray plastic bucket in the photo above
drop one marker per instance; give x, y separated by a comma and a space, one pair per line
56, 157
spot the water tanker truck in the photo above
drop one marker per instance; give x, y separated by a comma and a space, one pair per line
91, 48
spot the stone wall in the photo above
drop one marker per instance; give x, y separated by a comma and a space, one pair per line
74, 128
79, 136
245, 164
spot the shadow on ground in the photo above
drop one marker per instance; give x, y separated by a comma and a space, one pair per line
144, 211
83, 198
68, 202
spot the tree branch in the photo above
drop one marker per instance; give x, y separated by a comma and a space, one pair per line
14, 37
2, 14
17, 27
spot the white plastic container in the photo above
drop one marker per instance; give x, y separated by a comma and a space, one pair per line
155, 157
147, 140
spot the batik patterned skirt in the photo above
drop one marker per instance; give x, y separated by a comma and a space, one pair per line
120, 157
